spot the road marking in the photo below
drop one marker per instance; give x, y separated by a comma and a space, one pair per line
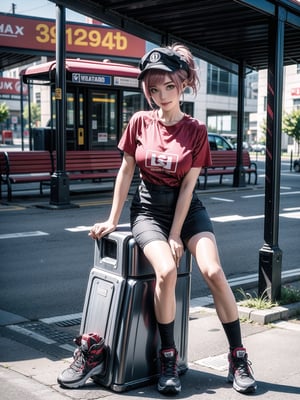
221, 199
295, 215
288, 193
262, 195
231, 218
250, 196
18, 235
80, 228
291, 209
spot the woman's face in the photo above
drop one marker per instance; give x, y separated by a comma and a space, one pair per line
165, 95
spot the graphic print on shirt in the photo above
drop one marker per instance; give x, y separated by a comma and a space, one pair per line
161, 161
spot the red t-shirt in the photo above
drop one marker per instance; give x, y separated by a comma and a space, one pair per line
165, 154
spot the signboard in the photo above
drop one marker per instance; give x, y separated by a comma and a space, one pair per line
10, 88
92, 79
295, 91
40, 35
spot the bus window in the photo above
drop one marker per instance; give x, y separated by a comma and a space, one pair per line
132, 102
70, 110
104, 120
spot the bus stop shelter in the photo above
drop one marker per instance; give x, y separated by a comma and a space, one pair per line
236, 35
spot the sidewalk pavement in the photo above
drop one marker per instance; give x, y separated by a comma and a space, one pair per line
27, 373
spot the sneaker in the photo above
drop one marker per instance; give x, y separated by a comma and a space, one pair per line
169, 382
240, 371
88, 361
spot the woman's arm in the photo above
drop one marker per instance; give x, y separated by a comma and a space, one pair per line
122, 185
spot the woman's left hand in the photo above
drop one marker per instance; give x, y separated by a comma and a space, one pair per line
176, 247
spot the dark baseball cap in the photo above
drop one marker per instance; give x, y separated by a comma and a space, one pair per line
164, 59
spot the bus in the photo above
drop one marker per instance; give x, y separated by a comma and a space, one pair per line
101, 96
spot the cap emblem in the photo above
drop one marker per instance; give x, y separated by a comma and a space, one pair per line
155, 57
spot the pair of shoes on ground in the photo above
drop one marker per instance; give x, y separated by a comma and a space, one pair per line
239, 373
89, 360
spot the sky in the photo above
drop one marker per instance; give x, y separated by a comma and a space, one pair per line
37, 8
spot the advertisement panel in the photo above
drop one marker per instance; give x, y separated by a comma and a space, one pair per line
10, 88
40, 35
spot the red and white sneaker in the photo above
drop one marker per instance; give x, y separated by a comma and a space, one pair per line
89, 360
240, 372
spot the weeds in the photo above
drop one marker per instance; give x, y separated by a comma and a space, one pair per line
254, 301
289, 295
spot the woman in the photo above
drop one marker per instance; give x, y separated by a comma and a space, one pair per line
170, 148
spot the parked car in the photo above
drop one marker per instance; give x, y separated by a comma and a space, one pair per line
218, 142
297, 165
258, 148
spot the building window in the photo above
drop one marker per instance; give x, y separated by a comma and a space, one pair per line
265, 103
221, 82
296, 104
224, 83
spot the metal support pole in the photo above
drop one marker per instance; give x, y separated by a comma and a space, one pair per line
29, 117
60, 195
239, 171
22, 111
270, 255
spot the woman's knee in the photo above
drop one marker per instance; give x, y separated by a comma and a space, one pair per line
166, 273
213, 274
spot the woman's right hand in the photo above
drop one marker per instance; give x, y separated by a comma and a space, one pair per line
101, 229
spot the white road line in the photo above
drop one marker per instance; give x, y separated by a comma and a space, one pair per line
231, 218
222, 199
80, 228
250, 196
292, 209
18, 235
294, 215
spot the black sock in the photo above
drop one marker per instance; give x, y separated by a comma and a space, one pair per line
233, 333
166, 335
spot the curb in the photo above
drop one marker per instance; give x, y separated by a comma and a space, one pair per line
264, 317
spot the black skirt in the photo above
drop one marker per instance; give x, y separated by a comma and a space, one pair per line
152, 212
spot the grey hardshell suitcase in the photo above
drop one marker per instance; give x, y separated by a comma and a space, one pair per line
119, 306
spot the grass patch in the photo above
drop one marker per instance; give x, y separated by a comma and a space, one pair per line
289, 294
254, 301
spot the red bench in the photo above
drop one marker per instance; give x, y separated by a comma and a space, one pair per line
91, 164
25, 167
38, 166
224, 163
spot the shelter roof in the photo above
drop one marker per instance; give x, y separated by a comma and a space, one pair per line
223, 32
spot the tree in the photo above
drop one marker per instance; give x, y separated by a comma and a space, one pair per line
35, 113
291, 125
4, 112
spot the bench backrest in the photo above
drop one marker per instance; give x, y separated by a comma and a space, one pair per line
227, 158
26, 162
91, 160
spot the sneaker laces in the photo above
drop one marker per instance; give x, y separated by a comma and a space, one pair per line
79, 360
169, 365
243, 366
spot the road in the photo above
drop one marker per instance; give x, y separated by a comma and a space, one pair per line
46, 255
